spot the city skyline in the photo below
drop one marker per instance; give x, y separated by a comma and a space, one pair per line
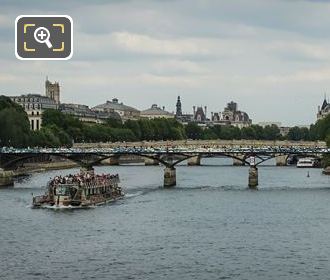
275, 65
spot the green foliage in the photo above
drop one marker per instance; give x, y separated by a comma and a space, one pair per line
321, 129
14, 123
248, 133
271, 132
296, 133
193, 131
112, 130
115, 123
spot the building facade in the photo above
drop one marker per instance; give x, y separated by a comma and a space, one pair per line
199, 114
178, 112
323, 110
231, 116
34, 105
53, 91
125, 112
85, 114
155, 112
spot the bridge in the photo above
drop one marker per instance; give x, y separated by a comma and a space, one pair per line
169, 155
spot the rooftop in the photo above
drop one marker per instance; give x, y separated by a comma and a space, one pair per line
155, 110
115, 105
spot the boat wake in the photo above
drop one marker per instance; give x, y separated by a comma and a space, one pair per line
61, 207
131, 195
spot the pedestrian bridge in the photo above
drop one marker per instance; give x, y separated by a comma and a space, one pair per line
167, 155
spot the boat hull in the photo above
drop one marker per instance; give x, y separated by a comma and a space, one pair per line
76, 204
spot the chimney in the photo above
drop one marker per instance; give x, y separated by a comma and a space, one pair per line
163, 108
205, 110
194, 110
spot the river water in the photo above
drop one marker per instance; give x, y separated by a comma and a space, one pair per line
210, 226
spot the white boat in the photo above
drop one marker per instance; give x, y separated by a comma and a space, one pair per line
306, 162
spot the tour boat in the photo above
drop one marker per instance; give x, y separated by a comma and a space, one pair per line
306, 162
80, 190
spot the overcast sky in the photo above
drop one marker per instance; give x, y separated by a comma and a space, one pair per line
271, 57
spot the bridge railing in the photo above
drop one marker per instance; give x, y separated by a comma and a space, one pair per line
170, 150
189, 143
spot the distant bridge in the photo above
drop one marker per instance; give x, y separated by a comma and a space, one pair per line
168, 155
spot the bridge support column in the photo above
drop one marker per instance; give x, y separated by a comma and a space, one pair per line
169, 177
150, 161
194, 161
253, 177
281, 160
6, 178
111, 161
237, 161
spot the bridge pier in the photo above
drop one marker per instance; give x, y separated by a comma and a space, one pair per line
169, 177
237, 161
150, 161
193, 161
6, 178
281, 160
111, 161
253, 177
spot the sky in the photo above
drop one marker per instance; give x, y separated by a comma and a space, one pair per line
272, 57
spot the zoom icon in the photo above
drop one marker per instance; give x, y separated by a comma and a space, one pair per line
43, 37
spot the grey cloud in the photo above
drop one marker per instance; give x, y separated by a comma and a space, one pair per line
209, 52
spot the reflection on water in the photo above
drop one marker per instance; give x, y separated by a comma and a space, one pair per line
210, 226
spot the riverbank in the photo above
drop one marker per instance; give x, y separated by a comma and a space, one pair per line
43, 166
6, 177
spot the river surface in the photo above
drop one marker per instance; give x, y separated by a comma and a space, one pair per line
210, 226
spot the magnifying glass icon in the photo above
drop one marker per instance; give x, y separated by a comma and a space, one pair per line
41, 35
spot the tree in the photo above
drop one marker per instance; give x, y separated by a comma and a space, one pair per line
271, 132
134, 127
229, 132
115, 123
296, 133
193, 131
14, 123
248, 133
259, 131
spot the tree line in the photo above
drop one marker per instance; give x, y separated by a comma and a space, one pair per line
60, 129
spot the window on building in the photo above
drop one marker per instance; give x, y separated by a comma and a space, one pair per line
32, 124
37, 125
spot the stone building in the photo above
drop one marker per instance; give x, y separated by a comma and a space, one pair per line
34, 105
125, 112
53, 91
178, 112
200, 114
323, 110
231, 116
155, 112
183, 118
85, 114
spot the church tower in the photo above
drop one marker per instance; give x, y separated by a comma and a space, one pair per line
178, 108
53, 90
